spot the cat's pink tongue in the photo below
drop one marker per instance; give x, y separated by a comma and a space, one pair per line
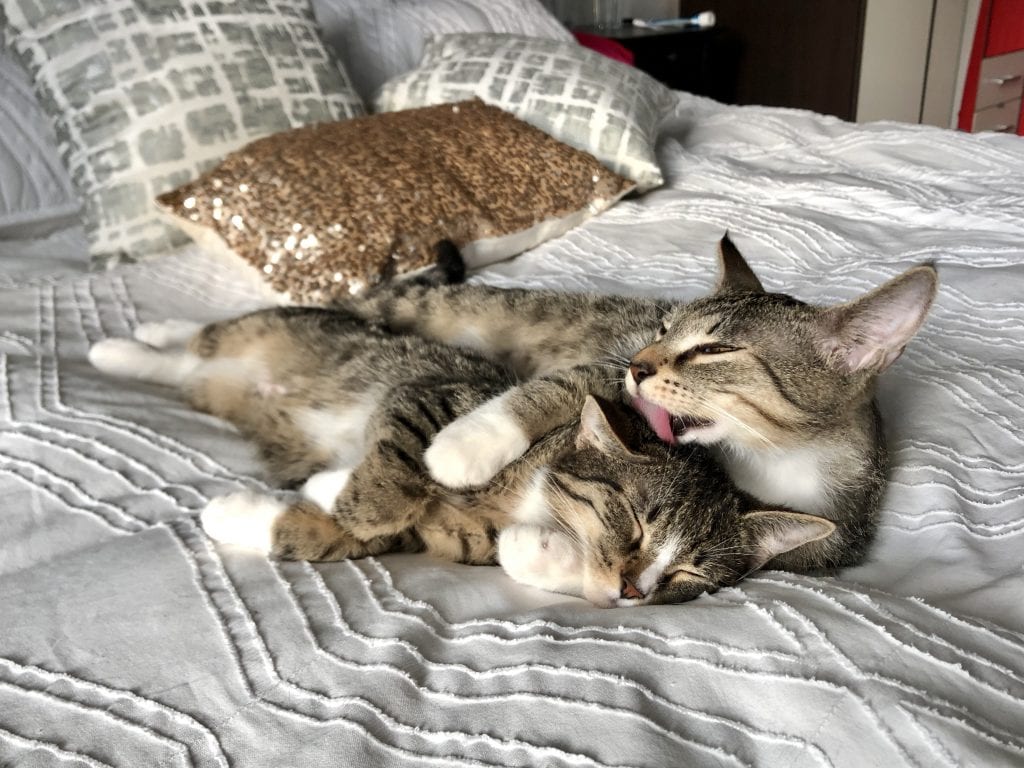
659, 419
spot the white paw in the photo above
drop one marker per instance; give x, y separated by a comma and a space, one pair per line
133, 359
119, 357
324, 487
540, 557
474, 448
168, 333
244, 519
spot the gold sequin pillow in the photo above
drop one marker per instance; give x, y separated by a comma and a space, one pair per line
326, 210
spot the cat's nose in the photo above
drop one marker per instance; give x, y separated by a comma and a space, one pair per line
641, 369
629, 590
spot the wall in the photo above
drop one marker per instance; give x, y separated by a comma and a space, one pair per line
894, 60
966, 44
911, 60
652, 9
578, 12
794, 53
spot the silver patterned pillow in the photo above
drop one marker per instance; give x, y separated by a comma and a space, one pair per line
578, 96
34, 187
380, 41
147, 94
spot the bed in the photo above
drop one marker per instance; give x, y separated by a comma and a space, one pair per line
128, 638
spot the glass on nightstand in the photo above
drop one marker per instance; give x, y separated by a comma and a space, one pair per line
607, 14
602, 14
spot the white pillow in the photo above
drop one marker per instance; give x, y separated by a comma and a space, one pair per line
378, 43
590, 102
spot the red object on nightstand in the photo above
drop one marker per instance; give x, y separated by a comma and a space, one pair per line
610, 48
994, 85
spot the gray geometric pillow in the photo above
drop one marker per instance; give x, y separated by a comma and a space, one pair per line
145, 95
578, 96
379, 41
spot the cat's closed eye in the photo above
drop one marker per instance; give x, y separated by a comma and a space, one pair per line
716, 349
679, 573
638, 534
705, 350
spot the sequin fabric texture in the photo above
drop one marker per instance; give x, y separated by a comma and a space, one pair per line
329, 209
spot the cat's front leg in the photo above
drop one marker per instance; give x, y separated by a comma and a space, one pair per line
251, 520
296, 530
472, 449
541, 557
266, 525
244, 519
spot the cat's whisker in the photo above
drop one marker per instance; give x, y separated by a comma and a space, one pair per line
609, 352
723, 549
565, 506
740, 423
571, 536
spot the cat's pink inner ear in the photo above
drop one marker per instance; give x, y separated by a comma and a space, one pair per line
604, 428
773, 532
871, 332
595, 431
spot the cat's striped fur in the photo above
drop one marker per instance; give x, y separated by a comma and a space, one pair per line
780, 390
596, 506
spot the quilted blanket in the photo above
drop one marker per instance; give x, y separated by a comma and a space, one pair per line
128, 638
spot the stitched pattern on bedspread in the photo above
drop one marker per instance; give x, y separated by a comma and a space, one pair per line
129, 639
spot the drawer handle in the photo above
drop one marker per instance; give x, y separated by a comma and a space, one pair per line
1004, 79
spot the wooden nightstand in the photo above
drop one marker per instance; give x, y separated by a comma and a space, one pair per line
701, 61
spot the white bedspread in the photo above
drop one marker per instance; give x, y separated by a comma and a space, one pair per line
128, 639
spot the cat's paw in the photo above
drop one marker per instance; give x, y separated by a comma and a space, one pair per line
118, 357
471, 450
132, 359
168, 333
323, 488
244, 519
540, 557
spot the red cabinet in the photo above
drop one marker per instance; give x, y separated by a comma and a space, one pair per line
1005, 27
995, 75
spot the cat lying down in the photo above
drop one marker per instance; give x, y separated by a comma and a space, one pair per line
780, 391
597, 507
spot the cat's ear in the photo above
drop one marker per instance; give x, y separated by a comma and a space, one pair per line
772, 532
603, 428
734, 274
869, 333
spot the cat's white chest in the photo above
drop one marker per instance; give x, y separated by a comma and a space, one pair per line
340, 431
794, 479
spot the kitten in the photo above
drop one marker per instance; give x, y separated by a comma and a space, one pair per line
598, 507
781, 391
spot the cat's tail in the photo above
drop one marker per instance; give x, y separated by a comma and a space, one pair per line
159, 352
448, 268
381, 302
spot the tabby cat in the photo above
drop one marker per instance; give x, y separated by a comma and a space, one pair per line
779, 390
597, 507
